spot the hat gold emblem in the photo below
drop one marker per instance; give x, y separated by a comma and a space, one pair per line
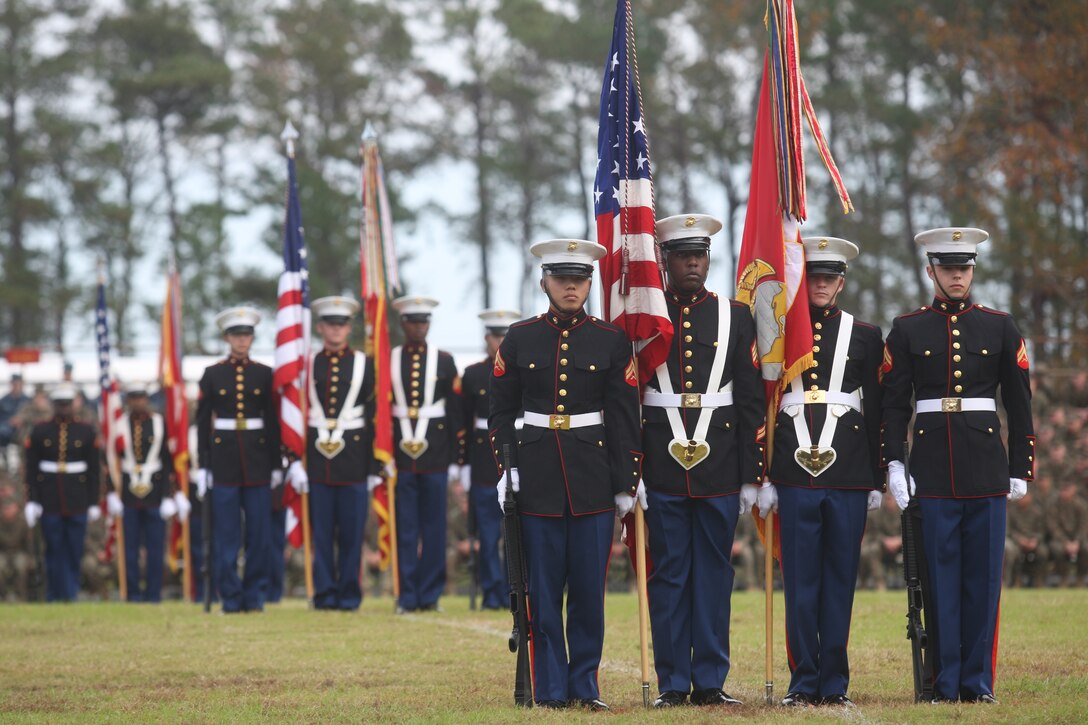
572, 246
690, 221
823, 244
956, 236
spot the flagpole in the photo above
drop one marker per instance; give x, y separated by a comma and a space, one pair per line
288, 137
174, 300
114, 473
374, 281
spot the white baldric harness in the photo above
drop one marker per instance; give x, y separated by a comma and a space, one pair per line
415, 421
818, 458
330, 431
140, 472
690, 452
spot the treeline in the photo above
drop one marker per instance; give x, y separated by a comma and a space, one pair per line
136, 129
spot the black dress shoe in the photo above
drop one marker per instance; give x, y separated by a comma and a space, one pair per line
798, 699
552, 704
431, 608
985, 699
837, 700
713, 696
402, 610
593, 704
938, 699
671, 699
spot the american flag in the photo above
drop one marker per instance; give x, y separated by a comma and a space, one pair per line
109, 405
623, 201
293, 341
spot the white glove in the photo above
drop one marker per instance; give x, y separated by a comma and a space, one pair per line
277, 478
767, 499
184, 507
640, 494
500, 488
453, 473
390, 469
114, 507
897, 484
298, 478
202, 479
372, 482
167, 508
749, 492
466, 477
875, 499
94, 513
625, 502
32, 511
1018, 488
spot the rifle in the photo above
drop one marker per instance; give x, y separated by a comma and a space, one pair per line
206, 546
519, 590
473, 554
915, 575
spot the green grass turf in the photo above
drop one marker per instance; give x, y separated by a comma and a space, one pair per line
99, 662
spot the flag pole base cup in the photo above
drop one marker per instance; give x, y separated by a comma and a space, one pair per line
645, 694
768, 692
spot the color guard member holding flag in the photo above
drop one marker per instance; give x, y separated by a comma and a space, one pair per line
703, 414
148, 494
427, 414
951, 357
479, 470
238, 432
825, 474
340, 467
62, 480
571, 374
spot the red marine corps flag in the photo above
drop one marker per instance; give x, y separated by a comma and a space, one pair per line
380, 281
771, 267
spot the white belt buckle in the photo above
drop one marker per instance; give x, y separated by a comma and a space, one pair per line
815, 397
951, 405
240, 424
62, 467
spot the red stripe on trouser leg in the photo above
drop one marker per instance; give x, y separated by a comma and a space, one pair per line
993, 655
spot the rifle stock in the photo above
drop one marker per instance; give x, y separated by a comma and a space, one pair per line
519, 591
914, 576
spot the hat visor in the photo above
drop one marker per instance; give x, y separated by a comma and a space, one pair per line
952, 259
837, 269
568, 269
497, 331
417, 317
335, 319
690, 244
239, 330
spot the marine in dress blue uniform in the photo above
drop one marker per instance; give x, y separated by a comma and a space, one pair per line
62, 480
703, 427
340, 465
426, 432
147, 496
238, 434
951, 357
825, 474
567, 374
479, 471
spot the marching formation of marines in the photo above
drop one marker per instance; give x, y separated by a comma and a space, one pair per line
588, 441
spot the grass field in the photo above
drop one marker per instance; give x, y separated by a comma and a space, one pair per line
135, 663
